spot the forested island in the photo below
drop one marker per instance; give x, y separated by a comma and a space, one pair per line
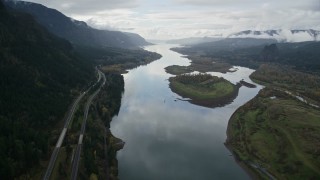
204, 89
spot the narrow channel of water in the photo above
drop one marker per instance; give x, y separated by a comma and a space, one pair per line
168, 139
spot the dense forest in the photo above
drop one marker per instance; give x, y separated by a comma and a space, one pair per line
115, 56
39, 76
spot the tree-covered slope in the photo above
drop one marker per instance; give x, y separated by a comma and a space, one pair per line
37, 73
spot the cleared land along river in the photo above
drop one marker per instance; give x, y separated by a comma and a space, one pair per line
171, 139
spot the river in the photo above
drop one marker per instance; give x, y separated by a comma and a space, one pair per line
168, 139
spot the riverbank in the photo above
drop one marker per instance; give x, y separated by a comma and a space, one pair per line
204, 89
96, 156
199, 64
276, 135
121, 64
100, 146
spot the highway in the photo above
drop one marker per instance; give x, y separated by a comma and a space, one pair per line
56, 150
76, 158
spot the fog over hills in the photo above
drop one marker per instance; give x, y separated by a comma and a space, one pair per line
280, 35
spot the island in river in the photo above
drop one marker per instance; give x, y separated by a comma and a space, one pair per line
276, 135
204, 89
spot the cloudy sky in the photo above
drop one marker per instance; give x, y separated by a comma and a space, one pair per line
172, 19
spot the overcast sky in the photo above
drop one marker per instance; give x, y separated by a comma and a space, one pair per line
171, 19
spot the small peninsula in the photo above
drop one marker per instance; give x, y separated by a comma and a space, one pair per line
204, 89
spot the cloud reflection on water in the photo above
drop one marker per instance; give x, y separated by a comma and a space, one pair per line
168, 139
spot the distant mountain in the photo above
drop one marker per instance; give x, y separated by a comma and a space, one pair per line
280, 35
193, 40
270, 53
77, 32
137, 39
230, 44
38, 73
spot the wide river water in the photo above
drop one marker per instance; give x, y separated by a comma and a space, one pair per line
169, 139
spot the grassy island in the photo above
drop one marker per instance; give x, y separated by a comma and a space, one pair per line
204, 89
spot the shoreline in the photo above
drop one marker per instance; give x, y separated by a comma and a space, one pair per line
218, 102
244, 166
256, 172
242, 136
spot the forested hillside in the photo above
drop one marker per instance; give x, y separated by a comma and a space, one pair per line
38, 73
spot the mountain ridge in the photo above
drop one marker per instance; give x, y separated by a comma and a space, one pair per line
77, 32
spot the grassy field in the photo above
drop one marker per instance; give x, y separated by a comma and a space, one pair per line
279, 133
204, 89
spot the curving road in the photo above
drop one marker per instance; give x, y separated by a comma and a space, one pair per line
76, 159
56, 150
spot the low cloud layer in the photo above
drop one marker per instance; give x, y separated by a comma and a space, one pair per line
170, 19
85, 7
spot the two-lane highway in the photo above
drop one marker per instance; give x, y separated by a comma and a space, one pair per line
56, 150
76, 159
61, 138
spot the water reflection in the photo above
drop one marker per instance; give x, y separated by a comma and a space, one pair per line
168, 139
